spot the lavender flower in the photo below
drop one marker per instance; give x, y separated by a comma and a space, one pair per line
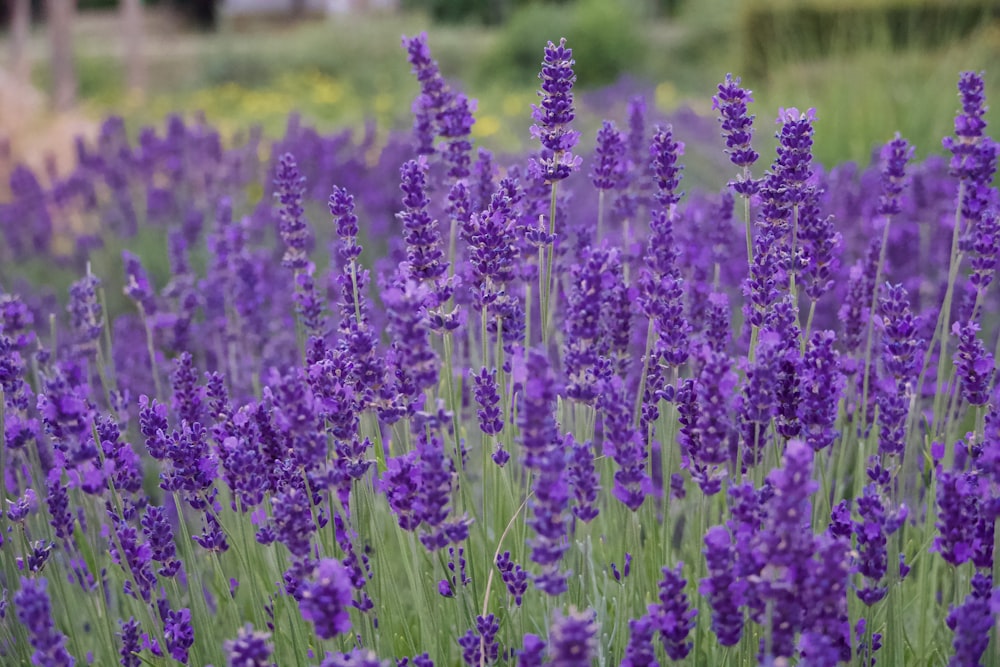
86, 314
513, 576
969, 126
531, 652
723, 590
758, 403
543, 454
490, 417
358, 657
553, 116
821, 385
673, 616
584, 344
894, 156
290, 186
606, 171
957, 516
134, 558
434, 96
130, 643
424, 257
784, 544
664, 153
137, 285
326, 598
871, 533
481, 647
433, 496
249, 649
985, 249
583, 478
973, 364
639, 650
900, 346
971, 622
293, 520
179, 633
34, 612
572, 639
737, 127
160, 538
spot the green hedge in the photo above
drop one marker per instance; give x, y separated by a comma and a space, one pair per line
607, 38
775, 31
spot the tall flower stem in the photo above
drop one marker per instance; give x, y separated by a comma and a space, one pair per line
871, 324
546, 284
941, 328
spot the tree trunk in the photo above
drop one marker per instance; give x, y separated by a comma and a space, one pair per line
20, 31
132, 26
60, 16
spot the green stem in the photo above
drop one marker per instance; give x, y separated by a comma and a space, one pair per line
871, 323
546, 285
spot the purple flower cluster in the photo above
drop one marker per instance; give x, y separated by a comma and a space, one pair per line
543, 454
326, 598
737, 127
554, 115
34, 612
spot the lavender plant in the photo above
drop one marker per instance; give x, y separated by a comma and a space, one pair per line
503, 440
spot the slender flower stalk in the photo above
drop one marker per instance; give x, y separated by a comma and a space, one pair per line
556, 161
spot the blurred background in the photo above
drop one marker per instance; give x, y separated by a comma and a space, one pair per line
870, 67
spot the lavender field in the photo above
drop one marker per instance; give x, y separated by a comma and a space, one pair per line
384, 398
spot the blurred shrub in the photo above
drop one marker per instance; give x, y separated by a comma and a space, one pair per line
775, 31
607, 39
487, 13
97, 76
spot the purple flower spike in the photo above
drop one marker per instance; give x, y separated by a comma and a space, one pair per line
969, 125
973, 364
86, 314
326, 599
490, 416
737, 127
249, 649
434, 96
554, 114
34, 611
424, 257
673, 616
821, 386
871, 540
572, 639
609, 156
664, 153
290, 186
894, 156
358, 657
985, 249
179, 633
532, 652
137, 285
724, 591
583, 478
542, 452
639, 651
514, 577
971, 623
130, 635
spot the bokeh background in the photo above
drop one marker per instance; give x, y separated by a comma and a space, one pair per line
871, 67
